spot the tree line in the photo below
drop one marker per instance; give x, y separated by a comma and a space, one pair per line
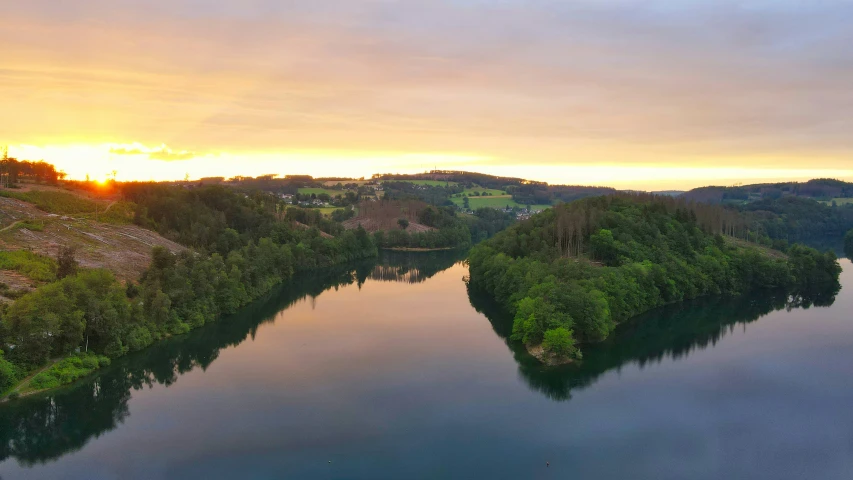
13, 171
240, 249
572, 273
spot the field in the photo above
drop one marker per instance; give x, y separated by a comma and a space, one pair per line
481, 190
58, 202
501, 201
318, 191
432, 183
839, 201
331, 183
326, 210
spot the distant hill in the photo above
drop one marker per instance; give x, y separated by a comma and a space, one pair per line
821, 189
669, 193
519, 190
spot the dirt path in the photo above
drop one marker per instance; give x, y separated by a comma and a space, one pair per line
26, 381
7, 227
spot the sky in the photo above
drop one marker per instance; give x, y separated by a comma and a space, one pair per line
646, 94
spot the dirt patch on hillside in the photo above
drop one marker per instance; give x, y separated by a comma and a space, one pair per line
123, 249
12, 284
306, 227
386, 214
12, 211
774, 254
372, 225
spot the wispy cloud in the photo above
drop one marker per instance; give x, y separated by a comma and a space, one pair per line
127, 151
160, 153
619, 82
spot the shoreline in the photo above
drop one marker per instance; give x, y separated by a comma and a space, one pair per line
7, 396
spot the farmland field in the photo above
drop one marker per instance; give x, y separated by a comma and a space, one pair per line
481, 190
839, 201
331, 183
326, 210
433, 183
318, 191
501, 201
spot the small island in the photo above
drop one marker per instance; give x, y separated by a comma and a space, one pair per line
571, 274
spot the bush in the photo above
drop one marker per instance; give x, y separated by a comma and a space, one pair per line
68, 370
139, 338
559, 342
61, 203
29, 264
9, 373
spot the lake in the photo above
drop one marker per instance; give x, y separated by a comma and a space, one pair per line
393, 370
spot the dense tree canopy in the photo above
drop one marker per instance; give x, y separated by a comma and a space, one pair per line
241, 247
586, 266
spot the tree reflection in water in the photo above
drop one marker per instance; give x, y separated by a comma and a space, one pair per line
42, 428
673, 332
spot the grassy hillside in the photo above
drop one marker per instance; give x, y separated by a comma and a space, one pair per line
501, 201
56, 218
318, 191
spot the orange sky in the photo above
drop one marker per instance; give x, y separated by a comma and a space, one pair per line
645, 95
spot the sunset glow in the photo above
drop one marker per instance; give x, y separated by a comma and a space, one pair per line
161, 90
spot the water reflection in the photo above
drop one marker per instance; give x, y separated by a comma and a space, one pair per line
673, 332
42, 428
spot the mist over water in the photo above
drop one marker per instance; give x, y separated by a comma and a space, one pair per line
393, 369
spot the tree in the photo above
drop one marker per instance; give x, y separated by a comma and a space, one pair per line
66, 263
403, 223
560, 343
466, 203
848, 244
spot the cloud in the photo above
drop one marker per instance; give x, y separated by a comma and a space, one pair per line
168, 155
630, 81
126, 151
160, 153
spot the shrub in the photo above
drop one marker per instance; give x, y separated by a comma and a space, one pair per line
29, 264
139, 338
68, 370
61, 203
9, 373
559, 342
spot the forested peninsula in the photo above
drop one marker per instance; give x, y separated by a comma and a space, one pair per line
571, 274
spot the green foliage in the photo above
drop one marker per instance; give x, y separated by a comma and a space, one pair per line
34, 225
51, 201
793, 219
29, 264
68, 370
9, 374
119, 213
66, 264
342, 214
243, 250
404, 224
654, 252
55, 319
560, 343
848, 244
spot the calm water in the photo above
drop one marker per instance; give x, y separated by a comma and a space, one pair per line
391, 370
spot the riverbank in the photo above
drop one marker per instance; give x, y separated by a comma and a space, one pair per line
334, 274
